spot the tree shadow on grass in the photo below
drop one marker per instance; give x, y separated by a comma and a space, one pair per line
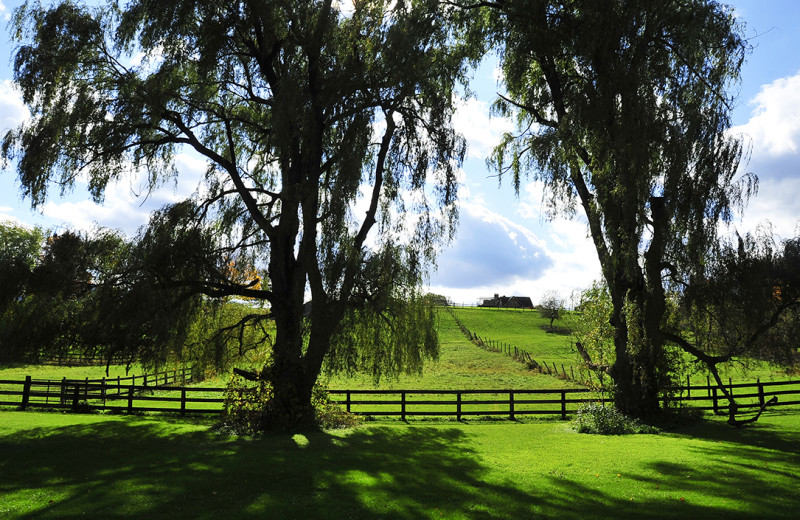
152, 469
719, 473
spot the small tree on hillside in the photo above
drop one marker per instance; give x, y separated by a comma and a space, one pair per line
551, 306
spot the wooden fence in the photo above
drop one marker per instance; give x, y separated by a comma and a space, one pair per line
92, 394
74, 360
131, 398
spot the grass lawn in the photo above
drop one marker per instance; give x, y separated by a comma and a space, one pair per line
57, 465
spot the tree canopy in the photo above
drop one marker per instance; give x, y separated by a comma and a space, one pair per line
302, 113
623, 110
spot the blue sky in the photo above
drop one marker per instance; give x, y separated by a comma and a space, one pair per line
504, 243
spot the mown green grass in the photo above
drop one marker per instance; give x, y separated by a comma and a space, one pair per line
68, 466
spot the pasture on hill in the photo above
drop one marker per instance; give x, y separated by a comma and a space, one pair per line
529, 331
463, 365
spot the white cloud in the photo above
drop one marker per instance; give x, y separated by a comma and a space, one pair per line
127, 204
12, 110
774, 130
775, 124
6, 216
6, 15
483, 133
489, 250
778, 202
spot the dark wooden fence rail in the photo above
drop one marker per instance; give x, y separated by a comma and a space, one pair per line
75, 393
130, 398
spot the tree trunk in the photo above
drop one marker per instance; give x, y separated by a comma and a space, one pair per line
290, 407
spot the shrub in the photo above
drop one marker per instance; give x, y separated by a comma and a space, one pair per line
247, 409
607, 420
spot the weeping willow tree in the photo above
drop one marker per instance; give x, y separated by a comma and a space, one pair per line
623, 113
303, 113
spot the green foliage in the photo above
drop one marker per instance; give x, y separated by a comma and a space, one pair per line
595, 418
623, 111
551, 307
386, 338
299, 110
745, 301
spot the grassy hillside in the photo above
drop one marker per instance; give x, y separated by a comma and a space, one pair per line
461, 365
528, 331
524, 329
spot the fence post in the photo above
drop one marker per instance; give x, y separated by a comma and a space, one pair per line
86, 390
103, 391
458, 406
402, 406
760, 393
714, 398
76, 395
63, 390
688, 387
183, 401
347, 401
130, 400
563, 405
511, 405
26, 393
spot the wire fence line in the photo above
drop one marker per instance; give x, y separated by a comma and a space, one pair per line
583, 376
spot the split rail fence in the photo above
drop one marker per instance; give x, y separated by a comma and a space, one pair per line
114, 396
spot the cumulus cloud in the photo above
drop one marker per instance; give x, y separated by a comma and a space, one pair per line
482, 132
775, 124
127, 204
774, 133
490, 250
4, 12
12, 110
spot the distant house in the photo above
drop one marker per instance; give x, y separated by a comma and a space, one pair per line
519, 302
508, 302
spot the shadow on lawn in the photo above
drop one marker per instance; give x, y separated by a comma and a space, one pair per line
122, 469
143, 468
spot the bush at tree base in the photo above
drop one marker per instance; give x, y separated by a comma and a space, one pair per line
248, 409
607, 420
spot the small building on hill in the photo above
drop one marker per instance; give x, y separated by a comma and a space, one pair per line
508, 302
